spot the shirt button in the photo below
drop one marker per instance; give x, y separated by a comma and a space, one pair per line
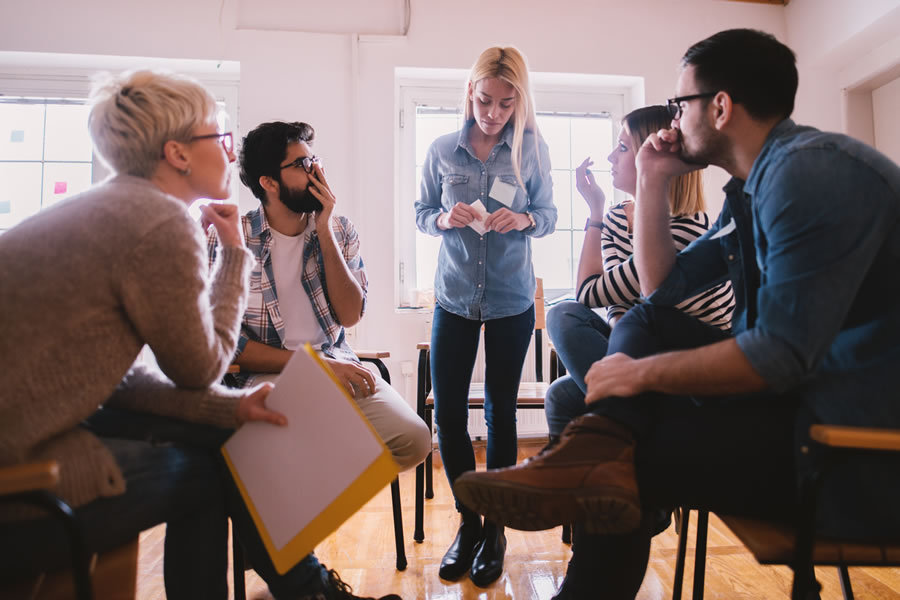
481, 238
479, 285
731, 257
479, 262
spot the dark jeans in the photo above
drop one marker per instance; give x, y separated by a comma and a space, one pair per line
174, 475
731, 454
454, 345
580, 337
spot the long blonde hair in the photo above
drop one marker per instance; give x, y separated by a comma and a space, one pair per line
685, 191
507, 64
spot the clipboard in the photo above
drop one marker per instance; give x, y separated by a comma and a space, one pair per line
302, 481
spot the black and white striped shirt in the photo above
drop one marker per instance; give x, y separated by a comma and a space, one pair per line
617, 288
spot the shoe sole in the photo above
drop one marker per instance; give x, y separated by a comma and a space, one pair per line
599, 510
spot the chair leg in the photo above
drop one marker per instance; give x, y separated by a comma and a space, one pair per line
700, 554
846, 588
237, 566
567, 534
682, 552
398, 525
418, 532
429, 465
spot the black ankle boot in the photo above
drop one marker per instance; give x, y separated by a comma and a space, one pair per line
458, 559
487, 565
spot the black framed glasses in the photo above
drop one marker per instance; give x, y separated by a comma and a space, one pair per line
226, 139
674, 104
304, 162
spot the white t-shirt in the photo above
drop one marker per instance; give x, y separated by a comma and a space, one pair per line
300, 323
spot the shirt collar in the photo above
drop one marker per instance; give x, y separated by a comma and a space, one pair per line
758, 168
506, 136
259, 225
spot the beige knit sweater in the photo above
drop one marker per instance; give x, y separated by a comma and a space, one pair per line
83, 286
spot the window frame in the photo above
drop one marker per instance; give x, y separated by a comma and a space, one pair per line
68, 77
570, 94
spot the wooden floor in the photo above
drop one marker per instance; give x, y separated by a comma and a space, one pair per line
362, 551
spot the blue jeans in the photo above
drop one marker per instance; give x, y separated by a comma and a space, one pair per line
580, 337
175, 475
454, 345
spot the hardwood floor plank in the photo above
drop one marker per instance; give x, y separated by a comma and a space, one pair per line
362, 551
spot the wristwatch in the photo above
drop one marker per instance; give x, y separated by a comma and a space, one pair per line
530, 220
590, 223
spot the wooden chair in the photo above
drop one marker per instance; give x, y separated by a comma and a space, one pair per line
531, 395
795, 544
111, 576
375, 357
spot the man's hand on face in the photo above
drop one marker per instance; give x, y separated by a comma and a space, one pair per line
318, 187
660, 156
358, 380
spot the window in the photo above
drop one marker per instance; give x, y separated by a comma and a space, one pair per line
46, 153
575, 123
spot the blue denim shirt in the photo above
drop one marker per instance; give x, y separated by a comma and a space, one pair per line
486, 276
818, 223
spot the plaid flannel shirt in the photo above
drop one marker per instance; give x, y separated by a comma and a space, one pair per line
262, 321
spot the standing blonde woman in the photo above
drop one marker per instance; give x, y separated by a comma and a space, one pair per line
86, 284
486, 190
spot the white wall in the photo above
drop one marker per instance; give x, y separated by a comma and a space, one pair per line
318, 77
840, 44
885, 104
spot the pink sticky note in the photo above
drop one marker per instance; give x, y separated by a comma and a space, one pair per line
60, 187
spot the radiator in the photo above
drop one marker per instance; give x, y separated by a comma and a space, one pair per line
530, 422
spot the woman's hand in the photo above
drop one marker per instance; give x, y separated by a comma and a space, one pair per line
459, 216
252, 407
504, 220
358, 380
589, 190
227, 221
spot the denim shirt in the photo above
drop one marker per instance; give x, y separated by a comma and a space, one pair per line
486, 276
823, 237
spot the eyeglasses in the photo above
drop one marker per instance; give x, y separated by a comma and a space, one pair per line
304, 162
226, 139
674, 104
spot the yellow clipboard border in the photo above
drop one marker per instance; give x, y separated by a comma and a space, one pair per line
377, 475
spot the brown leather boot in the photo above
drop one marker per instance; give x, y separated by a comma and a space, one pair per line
588, 478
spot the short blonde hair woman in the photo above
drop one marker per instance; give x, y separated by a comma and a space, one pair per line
486, 191
86, 284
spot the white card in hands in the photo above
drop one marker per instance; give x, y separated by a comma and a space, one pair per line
503, 192
478, 224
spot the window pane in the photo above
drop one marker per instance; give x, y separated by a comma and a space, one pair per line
592, 137
20, 192
562, 197
555, 130
62, 180
21, 131
67, 133
429, 127
552, 259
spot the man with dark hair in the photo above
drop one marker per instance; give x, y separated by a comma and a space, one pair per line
810, 237
309, 283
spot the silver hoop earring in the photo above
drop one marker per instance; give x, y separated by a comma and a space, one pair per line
185, 171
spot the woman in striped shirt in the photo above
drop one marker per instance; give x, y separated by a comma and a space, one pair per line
606, 273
